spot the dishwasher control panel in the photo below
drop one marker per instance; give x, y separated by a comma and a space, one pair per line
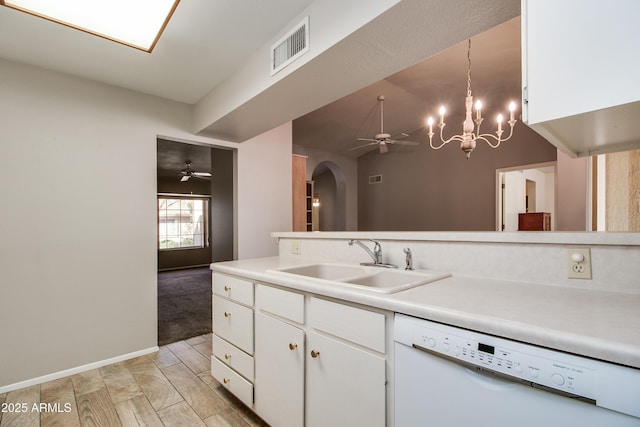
604, 384
493, 355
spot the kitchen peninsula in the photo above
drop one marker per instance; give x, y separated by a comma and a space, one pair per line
510, 285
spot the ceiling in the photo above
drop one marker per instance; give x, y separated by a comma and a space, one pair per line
203, 43
195, 53
172, 158
417, 92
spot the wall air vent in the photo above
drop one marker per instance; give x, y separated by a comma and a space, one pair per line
289, 48
375, 179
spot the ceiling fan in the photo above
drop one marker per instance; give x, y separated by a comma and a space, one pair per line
189, 173
383, 140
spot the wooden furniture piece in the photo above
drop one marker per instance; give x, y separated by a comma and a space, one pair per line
534, 221
299, 192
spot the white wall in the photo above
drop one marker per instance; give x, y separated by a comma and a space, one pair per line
330, 22
78, 273
264, 191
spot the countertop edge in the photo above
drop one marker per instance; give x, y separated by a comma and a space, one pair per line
607, 350
520, 237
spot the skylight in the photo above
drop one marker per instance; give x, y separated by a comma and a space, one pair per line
136, 23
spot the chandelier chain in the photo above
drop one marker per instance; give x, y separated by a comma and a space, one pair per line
469, 69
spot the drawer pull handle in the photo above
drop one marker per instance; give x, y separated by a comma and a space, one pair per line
226, 380
227, 356
227, 288
293, 346
315, 353
227, 314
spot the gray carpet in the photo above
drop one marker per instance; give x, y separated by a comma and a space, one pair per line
184, 304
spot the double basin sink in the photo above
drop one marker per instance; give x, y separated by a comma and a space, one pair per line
371, 278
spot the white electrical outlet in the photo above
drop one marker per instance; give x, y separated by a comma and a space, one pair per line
578, 263
295, 246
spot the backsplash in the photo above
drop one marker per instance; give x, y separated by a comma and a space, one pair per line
530, 257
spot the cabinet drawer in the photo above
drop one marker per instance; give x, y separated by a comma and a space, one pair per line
289, 305
234, 323
233, 382
234, 357
352, 324
235, 289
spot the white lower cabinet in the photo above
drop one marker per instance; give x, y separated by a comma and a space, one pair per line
279, 379
232, 362
345, 384
317, 362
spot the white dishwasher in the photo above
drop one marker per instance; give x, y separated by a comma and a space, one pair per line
447, 376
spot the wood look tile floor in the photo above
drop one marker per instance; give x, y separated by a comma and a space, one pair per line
172, 387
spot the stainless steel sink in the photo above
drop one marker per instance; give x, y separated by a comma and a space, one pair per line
374, 279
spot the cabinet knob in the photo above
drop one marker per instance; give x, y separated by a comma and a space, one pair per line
293, 346
227, 356
226, 380
315, 353
227, 314
227, 288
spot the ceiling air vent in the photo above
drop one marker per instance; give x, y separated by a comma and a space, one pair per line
375, 179
289, 48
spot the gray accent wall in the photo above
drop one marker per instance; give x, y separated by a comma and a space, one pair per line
439, 190
222, 218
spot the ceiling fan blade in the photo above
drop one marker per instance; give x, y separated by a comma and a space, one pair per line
185, 178
201, 173
404, 142
366, 139
362, 146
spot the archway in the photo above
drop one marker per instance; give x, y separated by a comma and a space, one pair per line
329, 187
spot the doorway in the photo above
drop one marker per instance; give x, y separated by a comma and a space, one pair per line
329, 197
195, 228
525, 189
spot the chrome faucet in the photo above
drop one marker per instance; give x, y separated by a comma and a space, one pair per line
409, 260
376, 254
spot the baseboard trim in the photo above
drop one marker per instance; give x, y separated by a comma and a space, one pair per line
76, 370
184, 267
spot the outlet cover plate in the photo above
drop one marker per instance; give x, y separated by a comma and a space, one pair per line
582, 269
295, 247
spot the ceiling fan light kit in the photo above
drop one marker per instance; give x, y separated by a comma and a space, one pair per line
468, 138
382, 139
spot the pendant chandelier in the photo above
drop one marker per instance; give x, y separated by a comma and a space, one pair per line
468, 138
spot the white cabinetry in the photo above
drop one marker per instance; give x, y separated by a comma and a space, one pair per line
279, 372
232, 360
279, 356
338, 377
297, 359
580, 73
345, 380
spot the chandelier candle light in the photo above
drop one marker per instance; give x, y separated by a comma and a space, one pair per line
468, 138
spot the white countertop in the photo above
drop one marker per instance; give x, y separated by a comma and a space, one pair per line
597, 324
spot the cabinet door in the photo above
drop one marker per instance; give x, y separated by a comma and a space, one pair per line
279, 372
580, 75
345, 384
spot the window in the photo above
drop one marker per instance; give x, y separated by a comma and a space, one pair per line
182, 222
